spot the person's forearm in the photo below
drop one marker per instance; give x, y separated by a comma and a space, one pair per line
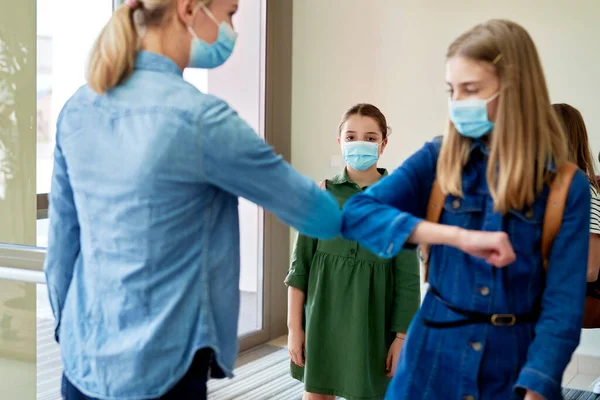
295, 308
429, 233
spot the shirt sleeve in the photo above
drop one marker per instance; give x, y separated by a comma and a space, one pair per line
63, 236
385, 215
302, 255
558, 329
595, 211
238, 161
407, 290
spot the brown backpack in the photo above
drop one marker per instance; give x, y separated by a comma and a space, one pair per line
555, 208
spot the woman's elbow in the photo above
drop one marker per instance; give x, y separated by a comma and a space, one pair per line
325, 226
350, 221
323, 220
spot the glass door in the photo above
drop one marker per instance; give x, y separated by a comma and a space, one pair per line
241, 82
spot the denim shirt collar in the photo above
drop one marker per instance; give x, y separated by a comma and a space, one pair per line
149, 61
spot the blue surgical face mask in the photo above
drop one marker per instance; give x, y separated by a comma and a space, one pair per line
204, 55
360, 156
470, 117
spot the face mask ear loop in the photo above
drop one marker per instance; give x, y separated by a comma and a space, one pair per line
209, 14
493, 97
191, 31
189, 27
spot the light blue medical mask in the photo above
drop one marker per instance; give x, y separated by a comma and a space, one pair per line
204, 55
470, 117
360, 156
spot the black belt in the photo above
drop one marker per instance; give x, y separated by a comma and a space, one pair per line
475, 317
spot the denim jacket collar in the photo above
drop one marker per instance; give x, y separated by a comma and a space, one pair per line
484, 148
149, 61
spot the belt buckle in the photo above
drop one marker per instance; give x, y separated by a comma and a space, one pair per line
503, 319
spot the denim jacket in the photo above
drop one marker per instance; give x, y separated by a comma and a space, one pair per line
481, 361
143, 256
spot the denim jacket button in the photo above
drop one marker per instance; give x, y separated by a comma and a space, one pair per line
468, 397
485, 291
456, 204
529, 214
476, 346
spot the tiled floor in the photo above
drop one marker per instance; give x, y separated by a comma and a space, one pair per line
581, 382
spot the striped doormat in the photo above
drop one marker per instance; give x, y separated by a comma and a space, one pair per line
267, 377
263, 374
571, 394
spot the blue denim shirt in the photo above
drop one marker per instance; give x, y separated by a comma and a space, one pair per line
481, 360
143, 250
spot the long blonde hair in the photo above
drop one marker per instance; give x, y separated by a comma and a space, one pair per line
113, 55
527, 135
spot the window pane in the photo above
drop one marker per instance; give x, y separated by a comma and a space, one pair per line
17, 122
17, 340
42, 232
63, 45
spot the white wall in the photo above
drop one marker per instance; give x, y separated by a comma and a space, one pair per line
391, 53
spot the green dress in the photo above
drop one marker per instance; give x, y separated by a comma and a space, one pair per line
355, 303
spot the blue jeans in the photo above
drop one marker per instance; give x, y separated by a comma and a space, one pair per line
191, 387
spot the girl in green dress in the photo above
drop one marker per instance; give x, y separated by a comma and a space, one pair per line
349, 310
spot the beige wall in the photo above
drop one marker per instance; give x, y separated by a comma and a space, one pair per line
391, 53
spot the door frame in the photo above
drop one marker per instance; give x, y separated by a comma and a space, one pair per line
278, 125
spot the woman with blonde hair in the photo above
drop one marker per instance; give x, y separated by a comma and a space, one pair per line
143, 257
494, 324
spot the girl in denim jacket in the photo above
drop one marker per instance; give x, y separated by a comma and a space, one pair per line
501, 148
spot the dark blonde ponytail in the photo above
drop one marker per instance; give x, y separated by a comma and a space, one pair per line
113, 56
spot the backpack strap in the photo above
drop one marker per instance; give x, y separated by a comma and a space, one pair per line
555, 207
434, 211
323, 184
